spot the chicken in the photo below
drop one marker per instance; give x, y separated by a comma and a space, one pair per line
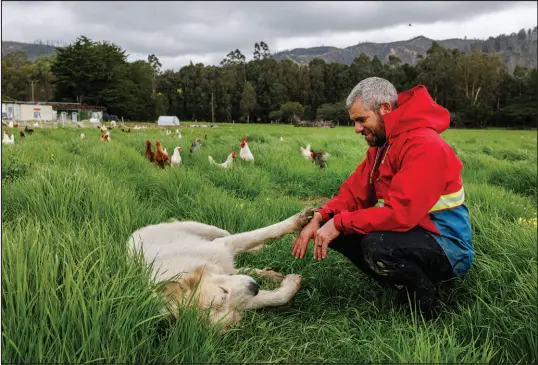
103, 128
7, 140
226, 163
28, 130
168, 132
245, 153
320, 158
176, 157
177, 131
281, 139
306, 152
10, 124
150, 155
21, 133
195, 146
161, 157
82, 136
103, 137
179, 135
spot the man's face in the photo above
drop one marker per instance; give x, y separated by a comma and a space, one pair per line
370, 123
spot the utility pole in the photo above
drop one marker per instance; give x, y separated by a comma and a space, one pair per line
212, 112
32, 90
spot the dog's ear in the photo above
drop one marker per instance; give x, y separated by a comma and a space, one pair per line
191, 280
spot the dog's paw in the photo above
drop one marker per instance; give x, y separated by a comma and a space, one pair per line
304, 217
292, 281
270, 274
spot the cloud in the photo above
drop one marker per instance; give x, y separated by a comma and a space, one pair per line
178, 32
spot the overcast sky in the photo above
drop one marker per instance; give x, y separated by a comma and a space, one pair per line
177, 32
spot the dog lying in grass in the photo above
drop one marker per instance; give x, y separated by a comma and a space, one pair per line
195, 264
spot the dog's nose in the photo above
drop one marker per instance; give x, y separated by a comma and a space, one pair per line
254, 287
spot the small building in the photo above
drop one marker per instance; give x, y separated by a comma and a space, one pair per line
168, 120
77, 112
23, 111
20, 111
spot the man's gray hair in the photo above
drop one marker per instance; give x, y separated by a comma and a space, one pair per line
373, 91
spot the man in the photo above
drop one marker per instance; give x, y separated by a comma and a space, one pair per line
400, 217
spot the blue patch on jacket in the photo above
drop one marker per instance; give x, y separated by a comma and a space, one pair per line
455, 237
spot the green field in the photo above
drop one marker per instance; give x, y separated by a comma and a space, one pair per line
70, 294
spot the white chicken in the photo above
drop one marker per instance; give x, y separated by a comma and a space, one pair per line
226, 163
7, 140
10, 124
178, 135
281, 139
82, 136
306, 152
176, 157
245, 153
177, 131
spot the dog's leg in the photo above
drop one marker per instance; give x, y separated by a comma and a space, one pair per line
242, 242
288, 288
265, 272
200, 229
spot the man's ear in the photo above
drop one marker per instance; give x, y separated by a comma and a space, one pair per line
385, 108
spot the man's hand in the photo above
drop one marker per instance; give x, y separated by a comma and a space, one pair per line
303, 239
323, 237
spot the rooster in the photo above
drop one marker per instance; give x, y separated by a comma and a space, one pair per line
28, 130
150, 155
226, 163
320, 158
307, 152
161, 157
176, 157
245, 153
195, 146
21, 133
7, 140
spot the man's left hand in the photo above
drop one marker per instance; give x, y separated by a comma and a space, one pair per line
323, 237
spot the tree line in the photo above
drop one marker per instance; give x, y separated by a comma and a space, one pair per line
476, 87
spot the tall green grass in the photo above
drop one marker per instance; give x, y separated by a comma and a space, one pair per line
70, 293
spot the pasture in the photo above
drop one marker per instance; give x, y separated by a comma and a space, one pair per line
69, 294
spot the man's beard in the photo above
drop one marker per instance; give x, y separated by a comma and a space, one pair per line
379, 136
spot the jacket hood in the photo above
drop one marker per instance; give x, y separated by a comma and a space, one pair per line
416, 109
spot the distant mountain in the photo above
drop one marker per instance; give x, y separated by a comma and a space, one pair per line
515, 49
32, 50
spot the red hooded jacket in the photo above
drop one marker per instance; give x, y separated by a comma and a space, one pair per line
414, 179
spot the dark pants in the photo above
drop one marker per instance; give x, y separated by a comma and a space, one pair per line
412, 259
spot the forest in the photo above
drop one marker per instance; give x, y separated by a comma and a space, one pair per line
475, 86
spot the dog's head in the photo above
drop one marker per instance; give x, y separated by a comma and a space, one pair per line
205, 289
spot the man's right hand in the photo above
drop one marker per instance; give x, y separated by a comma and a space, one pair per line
303, 239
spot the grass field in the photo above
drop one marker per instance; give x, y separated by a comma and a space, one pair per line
69, 294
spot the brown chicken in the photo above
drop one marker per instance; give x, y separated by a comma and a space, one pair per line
150, 155
21, 133
161, 157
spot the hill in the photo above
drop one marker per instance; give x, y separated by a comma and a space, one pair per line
515, 49
32, 50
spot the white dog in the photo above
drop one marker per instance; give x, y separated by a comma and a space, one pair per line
195, 261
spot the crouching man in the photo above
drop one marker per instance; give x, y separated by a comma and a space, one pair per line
400, 217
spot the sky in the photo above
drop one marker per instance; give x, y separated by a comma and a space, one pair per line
180, 32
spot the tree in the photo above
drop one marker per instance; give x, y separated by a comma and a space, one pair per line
84, 69
292, 111
248, 100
